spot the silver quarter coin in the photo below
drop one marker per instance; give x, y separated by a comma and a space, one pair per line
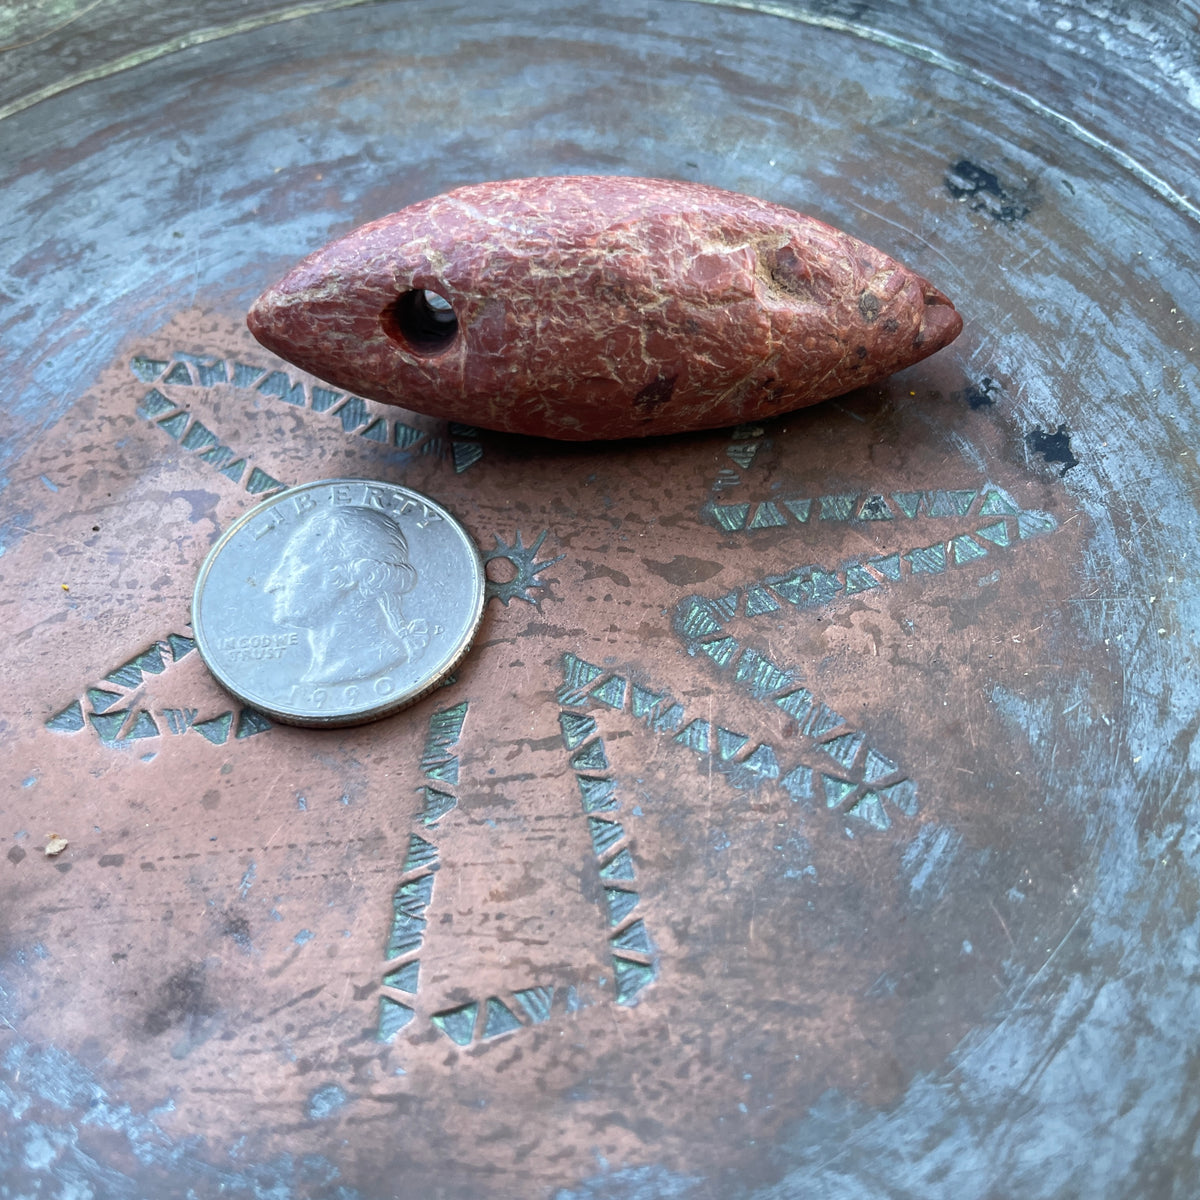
338, 602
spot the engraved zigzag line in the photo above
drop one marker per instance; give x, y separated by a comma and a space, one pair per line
119, 727
838, 767
353, 413
998, 524
634, 960
790, 511
742, 450
475, 1020
193, 435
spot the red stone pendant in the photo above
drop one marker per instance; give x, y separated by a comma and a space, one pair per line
589, 307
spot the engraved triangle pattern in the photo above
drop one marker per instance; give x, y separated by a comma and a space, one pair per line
632, 953
990, 523
827, 761
109, 709
160, 405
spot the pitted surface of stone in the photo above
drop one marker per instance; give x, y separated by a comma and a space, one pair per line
596, 307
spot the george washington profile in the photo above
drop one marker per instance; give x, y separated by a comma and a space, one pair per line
340, 578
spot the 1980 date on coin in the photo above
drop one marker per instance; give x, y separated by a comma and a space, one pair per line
338, 602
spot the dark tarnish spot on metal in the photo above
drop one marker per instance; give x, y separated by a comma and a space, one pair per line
980, 395
769, 947
183, 997
683, 570
238, 928
654, 395
966, 181
1053, 447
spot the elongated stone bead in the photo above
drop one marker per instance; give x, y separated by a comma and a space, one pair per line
601, 307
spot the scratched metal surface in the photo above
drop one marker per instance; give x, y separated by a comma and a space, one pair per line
816, 815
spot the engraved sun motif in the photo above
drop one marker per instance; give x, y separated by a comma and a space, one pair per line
526, 583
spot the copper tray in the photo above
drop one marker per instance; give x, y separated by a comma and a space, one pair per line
816, 814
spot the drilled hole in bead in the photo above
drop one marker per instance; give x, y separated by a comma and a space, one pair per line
421, 320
